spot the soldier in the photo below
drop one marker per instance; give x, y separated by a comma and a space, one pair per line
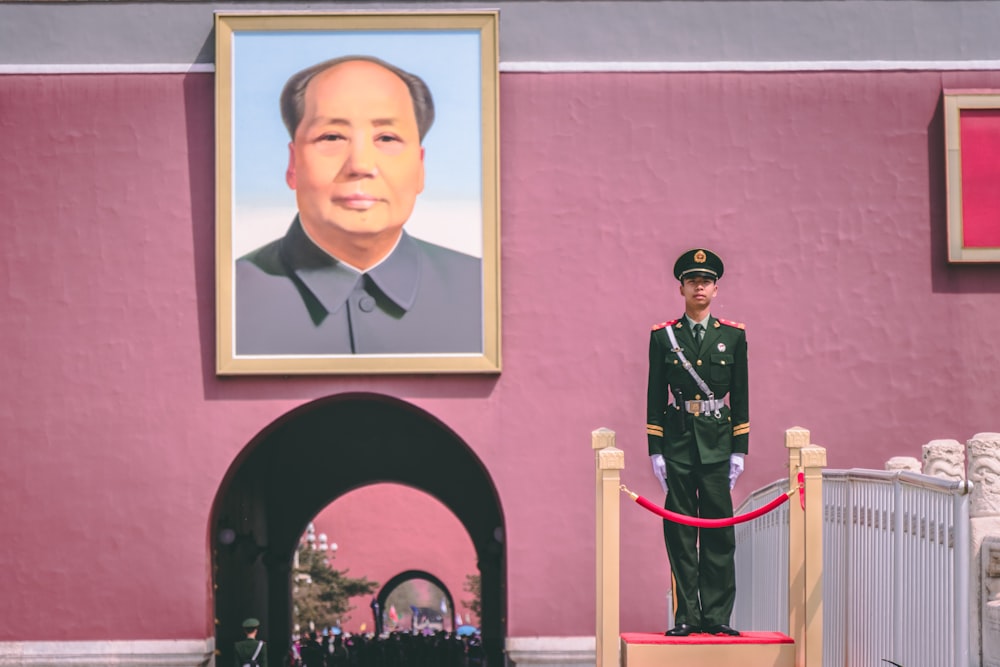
697, 442
250, 651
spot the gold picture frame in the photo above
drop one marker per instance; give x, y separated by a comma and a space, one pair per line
973, 174
289, 300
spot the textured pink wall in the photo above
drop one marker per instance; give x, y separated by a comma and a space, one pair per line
822, 191
386, 529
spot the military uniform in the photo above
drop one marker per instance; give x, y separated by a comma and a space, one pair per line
696, 433
244, 649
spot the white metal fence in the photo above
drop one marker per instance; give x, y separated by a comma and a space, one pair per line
895, 569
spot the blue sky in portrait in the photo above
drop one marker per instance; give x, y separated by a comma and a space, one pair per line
448, 211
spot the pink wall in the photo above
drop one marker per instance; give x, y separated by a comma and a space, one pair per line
822, 191
386, 529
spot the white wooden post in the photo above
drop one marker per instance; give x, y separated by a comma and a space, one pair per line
610, 461
813, 462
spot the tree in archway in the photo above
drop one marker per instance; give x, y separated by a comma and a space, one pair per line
320, 593
473, 584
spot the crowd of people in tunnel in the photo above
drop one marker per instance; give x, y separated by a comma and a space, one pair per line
395, 649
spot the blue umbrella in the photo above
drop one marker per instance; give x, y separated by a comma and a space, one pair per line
465, 630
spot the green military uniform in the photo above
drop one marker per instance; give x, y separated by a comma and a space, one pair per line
696, 440
244, 649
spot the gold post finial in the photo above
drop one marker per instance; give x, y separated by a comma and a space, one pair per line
624, 489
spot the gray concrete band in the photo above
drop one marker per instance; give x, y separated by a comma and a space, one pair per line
571, 31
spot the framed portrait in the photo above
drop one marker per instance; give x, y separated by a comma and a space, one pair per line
972, 144
357, 193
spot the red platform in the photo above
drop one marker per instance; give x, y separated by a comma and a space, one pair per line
750, 649
700, 638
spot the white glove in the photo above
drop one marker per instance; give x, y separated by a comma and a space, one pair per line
735, 469
659, 469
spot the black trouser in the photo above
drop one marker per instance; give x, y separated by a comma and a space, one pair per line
702, 559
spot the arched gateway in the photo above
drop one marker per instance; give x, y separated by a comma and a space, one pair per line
311, 456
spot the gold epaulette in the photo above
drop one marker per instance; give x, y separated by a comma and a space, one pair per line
662, 325
730, 323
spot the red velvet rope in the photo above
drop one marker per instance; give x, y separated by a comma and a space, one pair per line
709, 523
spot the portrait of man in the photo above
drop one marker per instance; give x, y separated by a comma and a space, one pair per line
356, 198
346, 277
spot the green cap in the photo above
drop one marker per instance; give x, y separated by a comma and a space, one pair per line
251, 623
698, 262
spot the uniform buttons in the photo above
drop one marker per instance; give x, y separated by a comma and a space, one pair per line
367, 304
697, 397
723, 362
699, 362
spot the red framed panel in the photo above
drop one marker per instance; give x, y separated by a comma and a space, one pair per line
972, 144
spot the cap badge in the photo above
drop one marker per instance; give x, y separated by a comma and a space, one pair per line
722, 347
700, 257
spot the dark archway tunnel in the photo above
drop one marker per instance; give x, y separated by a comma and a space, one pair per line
310, 457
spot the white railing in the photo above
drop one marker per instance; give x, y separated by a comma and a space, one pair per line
896, 573
762, 564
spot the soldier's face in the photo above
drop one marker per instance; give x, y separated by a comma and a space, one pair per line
698, 292
356, 163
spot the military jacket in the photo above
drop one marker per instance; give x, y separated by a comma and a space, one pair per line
244, 649
721, 362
